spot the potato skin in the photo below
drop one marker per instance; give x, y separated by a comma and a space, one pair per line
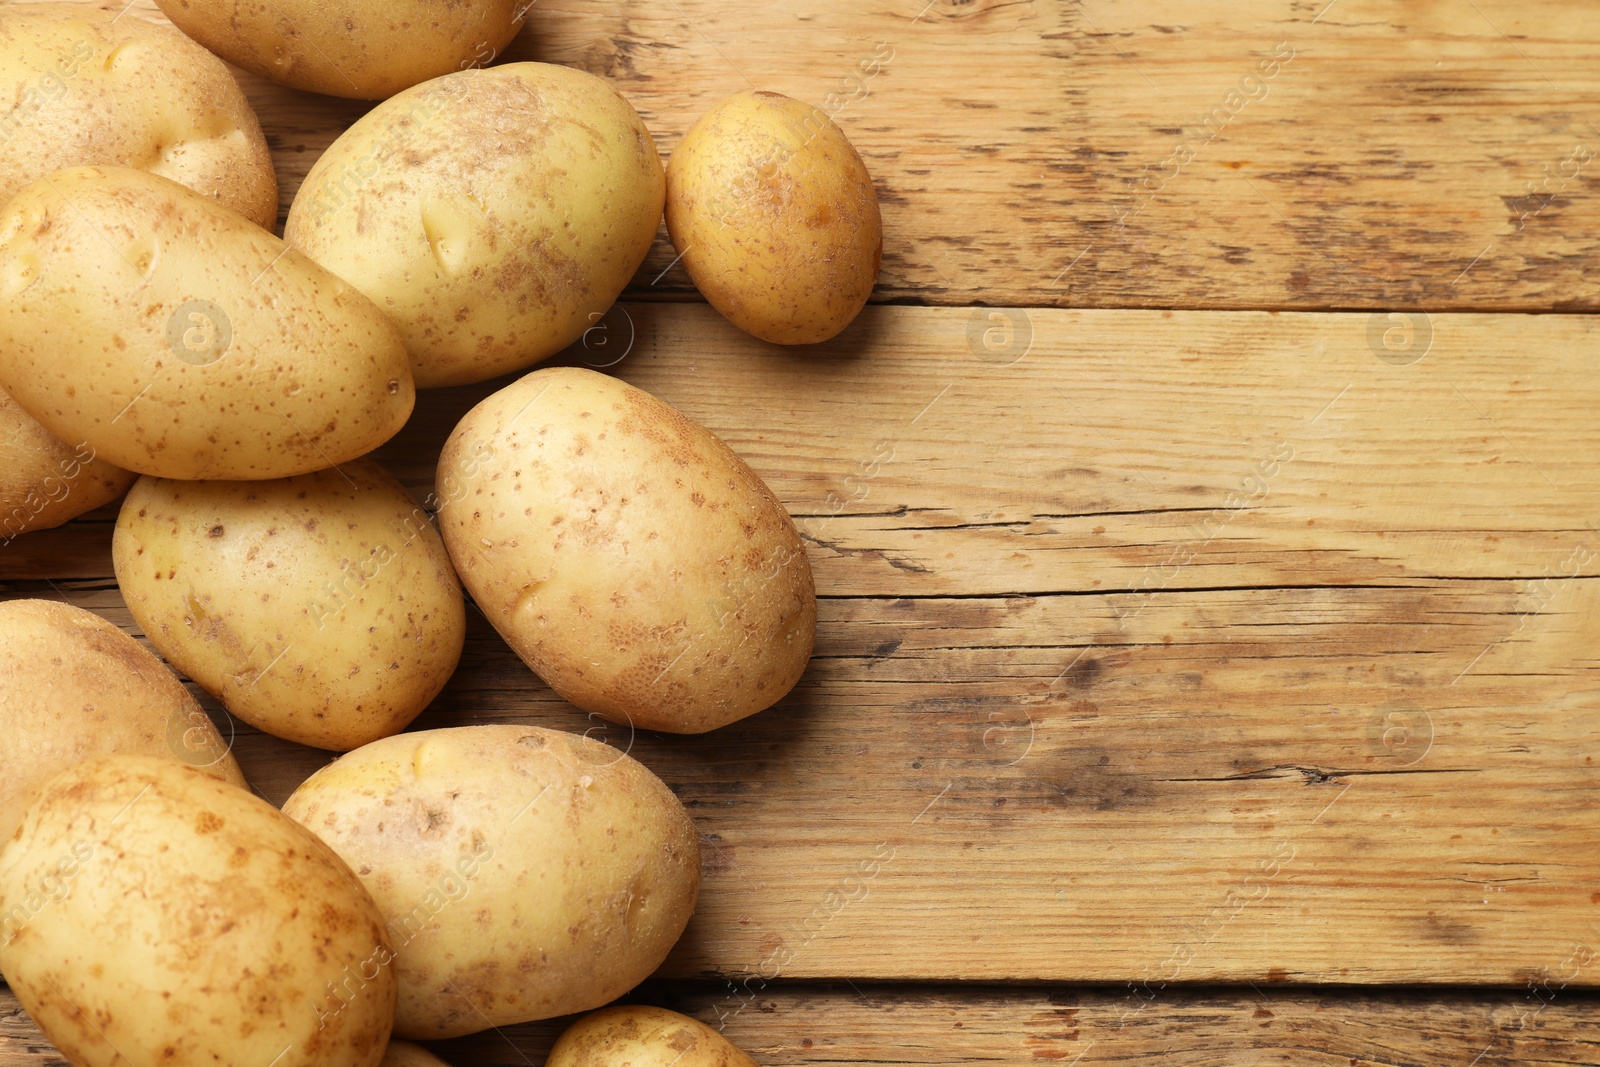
775, 217
493, 214
637, 564
96, 87
524, 873
361, 49
643, 1036
197, 345
147, 906
322, 609
405, 1054
72, 686
45, 482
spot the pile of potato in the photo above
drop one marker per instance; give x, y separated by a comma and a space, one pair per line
157, 339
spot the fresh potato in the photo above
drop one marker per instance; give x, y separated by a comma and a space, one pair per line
524, 873
494, 214
86, 87
72, 686
363, 49
626, 554
641, 1036
178, 339
45, 482
152, 914
322, 609
775, 217
405, 1054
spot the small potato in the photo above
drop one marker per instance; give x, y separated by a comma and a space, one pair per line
524, 873
180, 340
405, 1054
494, 214
91, 87
45, 482
151, 914
362, 49
640, 1036
626, 554
775, 217
322, 609
72, 686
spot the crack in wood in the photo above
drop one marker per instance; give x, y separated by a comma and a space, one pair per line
1317, 776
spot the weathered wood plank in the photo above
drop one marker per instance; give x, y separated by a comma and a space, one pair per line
1095, 154
793, 1026
1265, 797
1124, 452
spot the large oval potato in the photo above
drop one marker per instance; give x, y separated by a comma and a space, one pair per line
364, 49
90, 87
322, 609
152, 914
72, 686
641, 1036
524, 873
630, 558
44, 481
494, 214
178, 339
775, 217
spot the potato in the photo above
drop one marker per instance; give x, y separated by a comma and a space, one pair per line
524, 873
643, 1037
626, 554
72, 686
322, 608
152, 914
178, 339
775, 217
362, 49
45, 482
494, 214
90, 87
405, 1054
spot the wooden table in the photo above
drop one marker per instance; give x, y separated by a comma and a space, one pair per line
1205, 515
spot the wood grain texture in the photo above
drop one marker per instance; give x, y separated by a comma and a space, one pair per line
1121, 453
1035, 742
788, 1026
1156, 647
1096, 154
